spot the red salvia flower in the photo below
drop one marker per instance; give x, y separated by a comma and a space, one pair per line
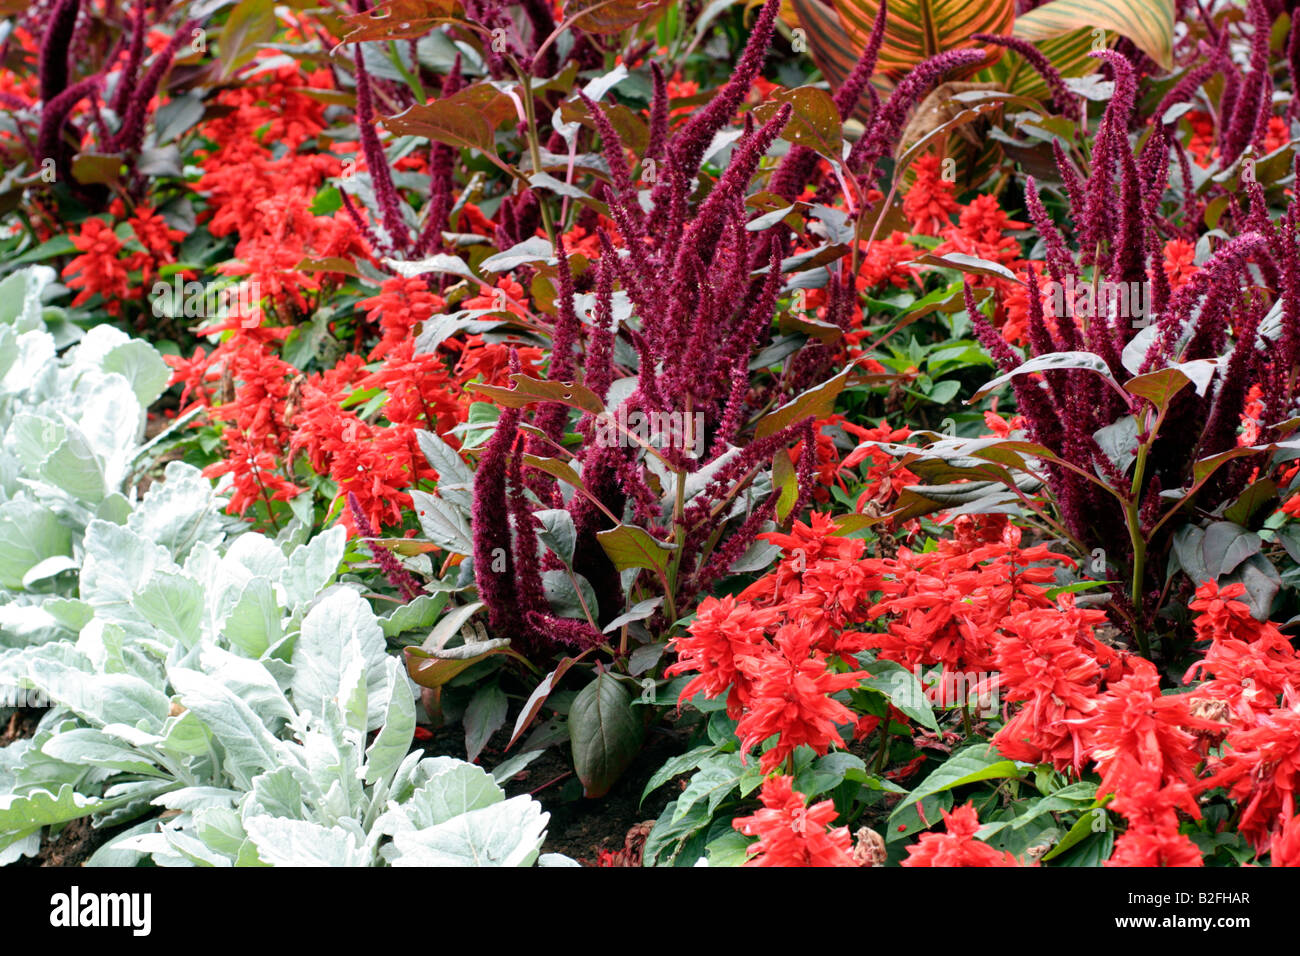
791, 833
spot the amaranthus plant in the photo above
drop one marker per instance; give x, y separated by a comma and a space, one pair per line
1135, 392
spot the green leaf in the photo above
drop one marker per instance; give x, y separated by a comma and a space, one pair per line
1158, 387
74, 467
31, 533
484, 716
23, 814
974, 763
969, 264
313, 565
1226, 545
716, 778
455, 478
249, 746
173, 603
339, 619
631, 547
250, 23
443, 522
557, 532
1091, 821
605, 733
88, 747
282, 842
253, 624
140, 364
415, 615
900, 686
818, 402
676, 766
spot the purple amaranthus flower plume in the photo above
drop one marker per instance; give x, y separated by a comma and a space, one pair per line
397, 575
684, 303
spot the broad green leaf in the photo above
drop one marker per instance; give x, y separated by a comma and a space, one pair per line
312, 566
974, 763
253, 624
557, 532
605, 732
631, 547
443, 522
91, 747
173, 603
450, 788
415, 615
902, 689
31, 533
484, 716
140, 364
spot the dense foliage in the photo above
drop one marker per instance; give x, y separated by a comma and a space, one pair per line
899, 423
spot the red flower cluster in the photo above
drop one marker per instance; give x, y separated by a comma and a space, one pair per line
791, 833
948, 604
957, 847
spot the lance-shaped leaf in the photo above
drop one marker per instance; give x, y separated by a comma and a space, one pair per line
976, 762
538, 697
970, 264
818, 401
435, 668
529, 391
1053, 361
250, 22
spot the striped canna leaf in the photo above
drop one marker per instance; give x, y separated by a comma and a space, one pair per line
1148, 23
916, 29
